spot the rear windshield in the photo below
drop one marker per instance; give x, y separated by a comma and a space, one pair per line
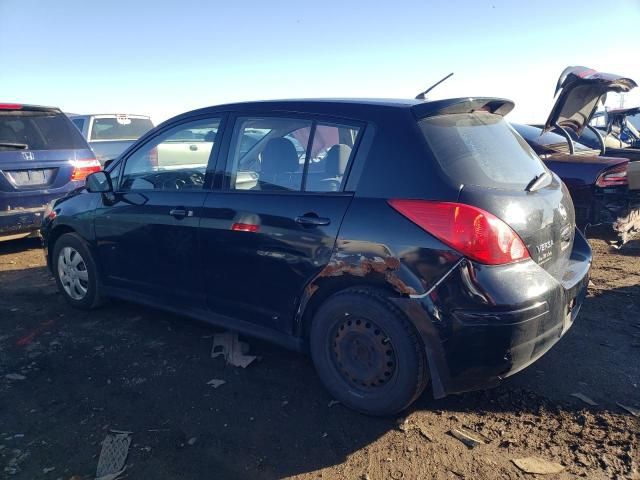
481, 149
119, 128
547, 143
33, 130
634, 120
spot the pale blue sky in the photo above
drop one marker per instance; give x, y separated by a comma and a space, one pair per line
165, 57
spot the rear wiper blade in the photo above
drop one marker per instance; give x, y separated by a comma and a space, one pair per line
536, 182
20, 146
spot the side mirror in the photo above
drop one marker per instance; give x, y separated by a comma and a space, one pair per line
99, 182
107, 163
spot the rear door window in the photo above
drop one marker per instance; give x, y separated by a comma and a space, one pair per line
331, 152
481, 149
269, 153
273, 153
38, 130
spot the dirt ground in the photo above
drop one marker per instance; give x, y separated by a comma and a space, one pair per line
74, 376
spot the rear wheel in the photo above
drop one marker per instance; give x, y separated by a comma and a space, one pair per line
367, 353
75, 272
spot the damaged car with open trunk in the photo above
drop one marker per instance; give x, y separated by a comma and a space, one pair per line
604, 182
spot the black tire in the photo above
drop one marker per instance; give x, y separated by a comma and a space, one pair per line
93, 297
348, 357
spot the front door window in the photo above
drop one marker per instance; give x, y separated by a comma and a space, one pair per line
175, 160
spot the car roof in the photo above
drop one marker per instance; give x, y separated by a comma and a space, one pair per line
38, 108
364, 107
76, 115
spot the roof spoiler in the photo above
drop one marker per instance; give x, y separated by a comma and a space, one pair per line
498, 106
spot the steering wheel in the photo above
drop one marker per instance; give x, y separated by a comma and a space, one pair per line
180, 180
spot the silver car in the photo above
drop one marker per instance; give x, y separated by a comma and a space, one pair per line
110, 134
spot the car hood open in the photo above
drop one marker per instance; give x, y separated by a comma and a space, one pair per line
581, 89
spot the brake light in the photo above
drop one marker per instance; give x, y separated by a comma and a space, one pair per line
476, 234
614, 177
83, 168
245, 227
10, 106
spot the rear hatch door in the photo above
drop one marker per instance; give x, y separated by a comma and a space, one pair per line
581, 89
496, 170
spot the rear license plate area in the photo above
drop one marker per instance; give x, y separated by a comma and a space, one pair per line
31, 177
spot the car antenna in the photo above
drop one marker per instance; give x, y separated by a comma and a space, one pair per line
423, 95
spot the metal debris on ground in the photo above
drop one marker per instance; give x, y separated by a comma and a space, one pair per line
333, 402
216, 382
403, 424
585, 399
113, 456
192, 441
633, 411
465, 438
14, 376
425, 434
537, 466
232, 349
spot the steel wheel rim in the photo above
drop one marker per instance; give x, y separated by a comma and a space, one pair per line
73, 274
363, 354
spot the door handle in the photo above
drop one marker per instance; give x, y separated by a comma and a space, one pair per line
180, 212
193, 148
312, 221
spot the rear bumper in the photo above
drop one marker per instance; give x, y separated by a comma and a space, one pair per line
20, 220
482, 324
22, 211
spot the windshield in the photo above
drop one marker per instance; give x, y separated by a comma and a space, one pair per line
634, 120
119, 128
481, 149
38, 130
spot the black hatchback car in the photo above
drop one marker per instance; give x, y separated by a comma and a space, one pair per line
402, 243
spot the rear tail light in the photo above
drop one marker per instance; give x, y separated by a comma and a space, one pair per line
614, 177
245, 227
83, 168
10, 106
476, 234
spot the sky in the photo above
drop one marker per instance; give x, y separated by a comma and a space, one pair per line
163, 58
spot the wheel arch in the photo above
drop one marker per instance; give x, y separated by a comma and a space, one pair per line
356, 270
53, 237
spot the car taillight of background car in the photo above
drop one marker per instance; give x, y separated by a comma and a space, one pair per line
83, 168
614, 177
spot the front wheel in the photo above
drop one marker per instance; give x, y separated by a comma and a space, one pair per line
367, 353
75, 272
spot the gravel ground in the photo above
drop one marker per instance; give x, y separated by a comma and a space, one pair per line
68, 377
